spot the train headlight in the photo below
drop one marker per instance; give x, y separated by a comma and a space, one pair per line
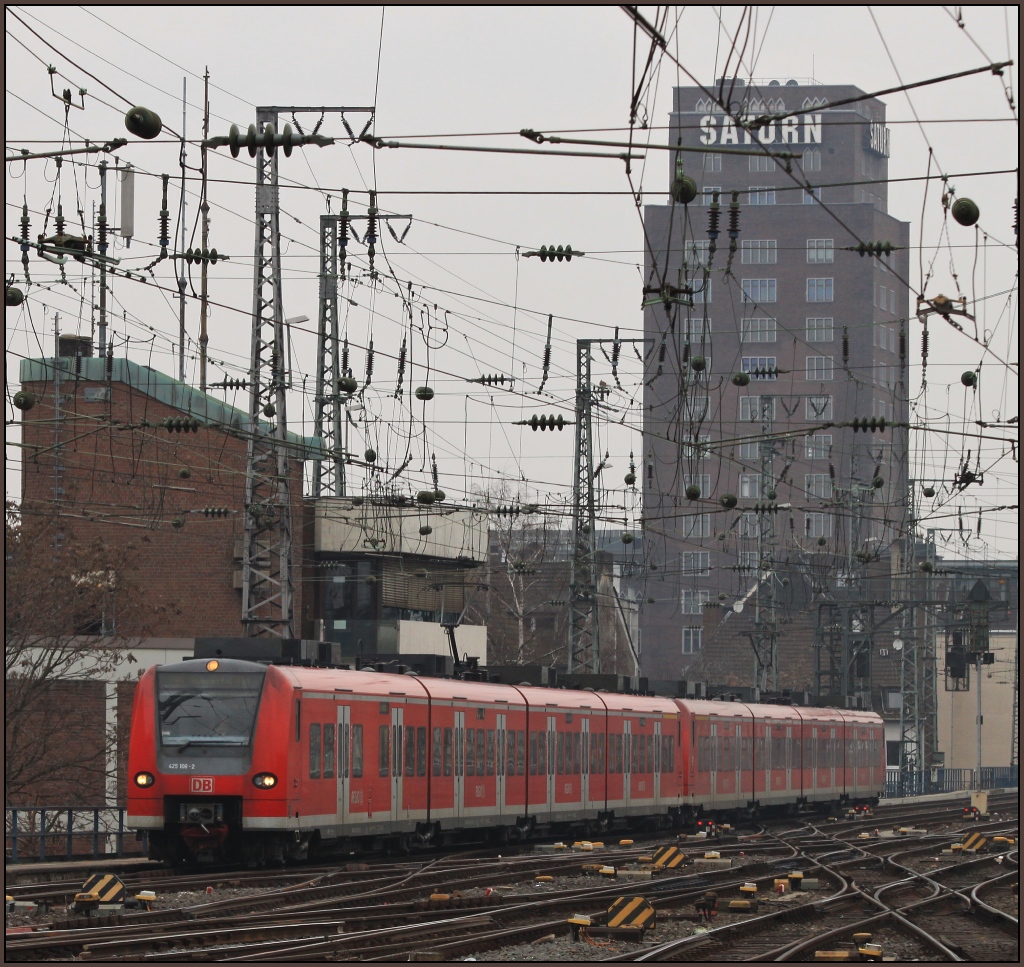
144, 779
265, 780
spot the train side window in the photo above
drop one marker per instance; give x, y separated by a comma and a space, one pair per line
533, 753
490, 752
584, 750
458, 751
650, 754
470, 767
542, 748
382, 750
510, 748
591, 757
447, 752
343, 734
479, 752
421, 750
410, 750
499, 745
671, 753
560, 752
436, 751
576, 742
314, 750
357, 752
521, 753
329, 751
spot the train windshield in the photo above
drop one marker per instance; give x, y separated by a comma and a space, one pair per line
200, 708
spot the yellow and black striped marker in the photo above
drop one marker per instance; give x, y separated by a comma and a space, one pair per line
669, 858
631, 913
107, 887
975, 841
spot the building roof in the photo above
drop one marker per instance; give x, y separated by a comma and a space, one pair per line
160, 387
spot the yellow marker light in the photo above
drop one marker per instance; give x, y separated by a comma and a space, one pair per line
212, 665
144, 779
265, 780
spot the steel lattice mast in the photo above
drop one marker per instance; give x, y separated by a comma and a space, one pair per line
329, 468
584, 642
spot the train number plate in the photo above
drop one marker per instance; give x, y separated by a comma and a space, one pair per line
201, 784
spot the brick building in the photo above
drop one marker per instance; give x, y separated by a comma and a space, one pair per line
761, 355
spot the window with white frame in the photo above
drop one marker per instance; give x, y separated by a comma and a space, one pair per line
694, 601
697, 251
759, 251
696, 448
760, 329
695, 405
820, 250
893, 339
759, 291
746, 526
820, 329
818, 485
692, 640
695, 329
750, 408
696, 526
707, 194
712, 161
812, 160
892, 301
749, 561
819, 408
817, 525
760, 162
750, 450
761, 195
820, 368
819, 446
697, 564
760, 367
701, 287
811, 195
702, 480
819, 290
750, 485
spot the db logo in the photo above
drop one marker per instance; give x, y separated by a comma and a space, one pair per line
202, 784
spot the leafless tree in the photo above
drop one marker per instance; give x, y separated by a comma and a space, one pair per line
68, 603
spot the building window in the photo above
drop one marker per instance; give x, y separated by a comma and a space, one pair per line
701, 290
819, 290
812, 160
747, 527
694, 601
819, 330
811, 195
760, 251
819, 408
712, 161
750, 450
691, 640
761, 291
820, 250
697, 564
751, 409
817, 525
819, 446
760, 195
760, 367
750, 485
697, 526
702, 480
818, 485
707, 194
748, 560
758, 330
697, 252
696, 328
760, 162
820, 368
697, 447
892, 301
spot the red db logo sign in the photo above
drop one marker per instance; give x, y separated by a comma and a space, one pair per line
202, 784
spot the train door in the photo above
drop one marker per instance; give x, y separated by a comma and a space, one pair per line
499, 765
627, 762
397, 717
460, 764
584, 763
789, 763
832, 747
659, 764
343, 770
551, 774
713, 746
738, 763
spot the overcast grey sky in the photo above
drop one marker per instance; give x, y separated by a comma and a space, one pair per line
477, 75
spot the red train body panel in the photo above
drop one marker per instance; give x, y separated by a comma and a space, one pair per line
260, 762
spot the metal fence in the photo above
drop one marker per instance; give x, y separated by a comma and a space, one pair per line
38, 834
928, 781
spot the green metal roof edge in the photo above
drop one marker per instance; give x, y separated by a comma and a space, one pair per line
161, 387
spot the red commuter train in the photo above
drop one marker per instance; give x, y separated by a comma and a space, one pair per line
238, 760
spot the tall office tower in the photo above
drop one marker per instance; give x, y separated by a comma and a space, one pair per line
767, 517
